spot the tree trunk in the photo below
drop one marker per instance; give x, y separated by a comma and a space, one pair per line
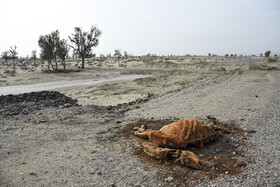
64, 64
83, 62
35, 64
56, 68
50, 64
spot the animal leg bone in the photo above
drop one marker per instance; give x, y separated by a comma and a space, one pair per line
185, 158
154, 151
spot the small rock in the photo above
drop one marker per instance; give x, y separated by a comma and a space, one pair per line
169, 179
67, 105
33, 174
136, 128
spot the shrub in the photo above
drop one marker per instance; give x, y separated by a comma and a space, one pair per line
272, 60
258, 66
267, 53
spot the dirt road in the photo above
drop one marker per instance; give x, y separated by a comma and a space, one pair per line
27, 88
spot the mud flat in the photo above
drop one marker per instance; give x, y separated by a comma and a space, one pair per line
60, 141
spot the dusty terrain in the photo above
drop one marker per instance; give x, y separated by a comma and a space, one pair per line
56, 141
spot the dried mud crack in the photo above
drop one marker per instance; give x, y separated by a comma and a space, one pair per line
223, 155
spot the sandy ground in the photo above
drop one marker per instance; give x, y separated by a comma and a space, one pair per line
57, 144
167, 74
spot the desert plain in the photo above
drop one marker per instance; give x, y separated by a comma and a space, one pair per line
85, 139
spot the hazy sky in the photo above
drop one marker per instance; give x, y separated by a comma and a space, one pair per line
147, 26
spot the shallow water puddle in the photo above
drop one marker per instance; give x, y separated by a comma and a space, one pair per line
18, 89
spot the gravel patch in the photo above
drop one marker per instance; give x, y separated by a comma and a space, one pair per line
52, 145
250, 100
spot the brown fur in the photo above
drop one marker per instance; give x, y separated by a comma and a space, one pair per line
175, 135
178, 134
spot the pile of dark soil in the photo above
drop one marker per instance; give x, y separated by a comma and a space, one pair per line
223, 155
12, 105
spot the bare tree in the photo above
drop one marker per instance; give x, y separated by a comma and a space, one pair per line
102, 57
125, 54
34, 56
84, 41
13, 54
118, 54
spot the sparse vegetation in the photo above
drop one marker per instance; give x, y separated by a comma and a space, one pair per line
13, 54
102, 58
267, 53
84, 41
5, 56
125, 54
272, 59
62, 52
256, 66
34, 56
118, 54
53, 48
